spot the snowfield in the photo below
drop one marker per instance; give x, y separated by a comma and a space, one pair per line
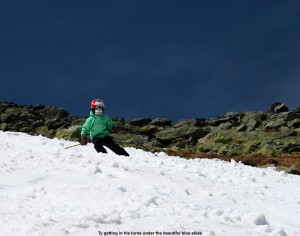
48, 190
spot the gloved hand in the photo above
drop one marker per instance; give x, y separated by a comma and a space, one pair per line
83, 140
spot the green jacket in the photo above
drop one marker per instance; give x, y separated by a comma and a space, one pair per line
97, 126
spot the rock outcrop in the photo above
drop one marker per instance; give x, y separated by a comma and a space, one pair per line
269, 133
49, 121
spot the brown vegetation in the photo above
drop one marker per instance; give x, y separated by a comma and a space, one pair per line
284, 160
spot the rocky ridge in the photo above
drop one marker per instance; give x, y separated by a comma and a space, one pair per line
270, 133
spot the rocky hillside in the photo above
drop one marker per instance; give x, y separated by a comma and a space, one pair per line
267, 133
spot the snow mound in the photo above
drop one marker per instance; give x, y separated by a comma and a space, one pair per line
48, 190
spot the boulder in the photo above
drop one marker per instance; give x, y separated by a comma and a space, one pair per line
253, 120
199, 122
290, 116
296, 132
129, 128
4, 126
77, 121
58, 113
150, 129
11, 115
296, 123
130, 139
217, 122
36, 124
236, 115
70, 133
181, 132
242, 128
44, 131
56, 123
223, 140
38, 107
274, 125
154, 143
268, 150
140, 122
161, 122
278, 107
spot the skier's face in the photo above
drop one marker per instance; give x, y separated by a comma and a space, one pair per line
98, 111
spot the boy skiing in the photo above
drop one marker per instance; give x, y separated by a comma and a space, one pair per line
99, 127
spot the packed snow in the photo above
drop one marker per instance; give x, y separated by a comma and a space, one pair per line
46, 189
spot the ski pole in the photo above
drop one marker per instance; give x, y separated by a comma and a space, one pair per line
72, 146
144, 148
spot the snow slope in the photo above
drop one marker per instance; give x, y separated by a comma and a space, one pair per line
48, 190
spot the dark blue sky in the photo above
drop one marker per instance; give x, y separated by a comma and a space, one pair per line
158, 58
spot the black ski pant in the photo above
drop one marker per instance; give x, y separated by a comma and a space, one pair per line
108, 142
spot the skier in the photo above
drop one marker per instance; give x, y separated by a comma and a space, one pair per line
99, 127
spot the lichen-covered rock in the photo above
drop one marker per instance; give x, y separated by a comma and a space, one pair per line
217, 122
44, 131
55, 112
71, 133
296, 123
199, 122
140, 122
253, 120
4, 126
161, 122
279, 107
130, 140
150, 129
180, 132
268, 150
242, 128
56, 124
130, 128
274, 125
290, 116
237, 133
